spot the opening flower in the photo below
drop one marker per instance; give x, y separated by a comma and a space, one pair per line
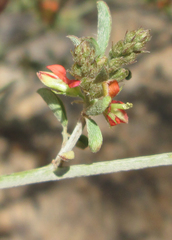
115, 113
60, 72
58, 81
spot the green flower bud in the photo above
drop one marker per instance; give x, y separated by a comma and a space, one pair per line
120, 74
126, 50
52, 81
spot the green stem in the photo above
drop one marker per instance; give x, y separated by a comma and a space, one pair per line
46, 173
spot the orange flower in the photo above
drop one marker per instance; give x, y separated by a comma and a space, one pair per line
60, 72
115, 114
58, 81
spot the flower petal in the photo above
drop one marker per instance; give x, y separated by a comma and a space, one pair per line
121, 117
113, 88
52, 81
115, 101
58, 70
115, 116
73, 83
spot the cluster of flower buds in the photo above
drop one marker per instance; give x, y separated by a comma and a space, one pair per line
97, 77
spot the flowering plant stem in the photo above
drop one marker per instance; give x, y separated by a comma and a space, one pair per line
45, 174
69, 144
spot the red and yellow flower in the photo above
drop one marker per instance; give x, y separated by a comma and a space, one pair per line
115, 113
58, 81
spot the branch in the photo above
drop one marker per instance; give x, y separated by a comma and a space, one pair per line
45, 174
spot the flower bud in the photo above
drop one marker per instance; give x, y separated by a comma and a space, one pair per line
52, 81
115, 113
125, 51
110, 88
60, 82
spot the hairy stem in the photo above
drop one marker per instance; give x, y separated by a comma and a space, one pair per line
46, 173
71, 142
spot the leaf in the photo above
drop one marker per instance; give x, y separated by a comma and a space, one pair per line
95, 45
95, 138
82, 142
98, 106
120, 74
76, 41
55, 104
104, 26
101, 76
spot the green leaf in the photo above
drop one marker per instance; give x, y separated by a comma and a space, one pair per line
104, 26
76, 41
98, 106
55, 104
82, 142
129, 75
120, 74
95, 138
101, 76
95, 45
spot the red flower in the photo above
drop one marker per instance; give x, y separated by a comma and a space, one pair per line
60, 72
115, 114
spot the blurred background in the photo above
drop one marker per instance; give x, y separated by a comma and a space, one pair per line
135, 205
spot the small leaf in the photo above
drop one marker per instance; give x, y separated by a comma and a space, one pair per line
95, 138
120, 74
82, 142
98, 106
76, 41
129, 75
95, 45
55, 104
104, 26
101, 76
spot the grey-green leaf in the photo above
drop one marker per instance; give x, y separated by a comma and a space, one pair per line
104, 26
101, 76
55, 104
76, 41
98, 106
82, 142
95, 138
